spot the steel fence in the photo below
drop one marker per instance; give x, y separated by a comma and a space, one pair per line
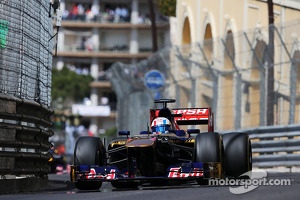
234, 79
232, 74
229, 74
275, 146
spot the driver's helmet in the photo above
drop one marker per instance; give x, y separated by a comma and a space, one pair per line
160, 125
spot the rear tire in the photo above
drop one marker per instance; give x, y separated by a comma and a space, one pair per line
89, 151
208, 148
237, 154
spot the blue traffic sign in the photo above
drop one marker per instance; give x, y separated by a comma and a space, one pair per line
154, 79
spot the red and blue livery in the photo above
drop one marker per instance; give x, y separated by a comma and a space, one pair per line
163, 153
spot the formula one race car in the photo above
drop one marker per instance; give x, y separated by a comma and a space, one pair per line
163, 154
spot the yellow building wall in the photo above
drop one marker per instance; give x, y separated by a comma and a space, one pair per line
223, 16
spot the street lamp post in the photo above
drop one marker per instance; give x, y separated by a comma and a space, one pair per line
270, 77
153, 26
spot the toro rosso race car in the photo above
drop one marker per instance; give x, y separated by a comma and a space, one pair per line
162, 154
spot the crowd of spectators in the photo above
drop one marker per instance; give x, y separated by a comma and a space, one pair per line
79, 69
110, 14
119, 13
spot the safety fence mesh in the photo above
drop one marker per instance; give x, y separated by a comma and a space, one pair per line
26, 49
248, 80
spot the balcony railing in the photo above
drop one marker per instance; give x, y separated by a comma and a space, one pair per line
103, 51
105, 17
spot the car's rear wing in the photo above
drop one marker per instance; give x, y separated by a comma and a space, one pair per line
189, 116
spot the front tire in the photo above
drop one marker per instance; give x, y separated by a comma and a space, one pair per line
124, 185
89, 151
208, 148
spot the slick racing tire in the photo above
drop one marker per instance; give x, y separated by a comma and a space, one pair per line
208, 148
124, 185
88, 185
237, 154
89, 151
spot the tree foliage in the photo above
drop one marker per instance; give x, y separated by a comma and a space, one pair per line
67, 84
112, 132
167, 7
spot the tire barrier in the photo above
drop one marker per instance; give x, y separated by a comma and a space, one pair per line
24, 137
275, 146
26, 32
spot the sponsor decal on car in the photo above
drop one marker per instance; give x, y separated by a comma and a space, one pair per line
198, 111
192, 114
93, 174
175, 172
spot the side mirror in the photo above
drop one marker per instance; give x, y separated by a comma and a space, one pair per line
180, 132
121, 133
145, 132
193, 131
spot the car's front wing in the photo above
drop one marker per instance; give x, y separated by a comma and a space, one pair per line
179, 171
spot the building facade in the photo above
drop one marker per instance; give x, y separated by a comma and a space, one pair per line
218, 34
97, 33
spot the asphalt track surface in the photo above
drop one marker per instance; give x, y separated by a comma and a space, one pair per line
59, 188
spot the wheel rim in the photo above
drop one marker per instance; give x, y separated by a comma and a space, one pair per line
72, 174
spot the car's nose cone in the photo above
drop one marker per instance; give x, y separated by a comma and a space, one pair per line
140, 143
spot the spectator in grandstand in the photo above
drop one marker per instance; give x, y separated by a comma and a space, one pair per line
89, 14
118, 13
81, 12
141, 19
89, 45
96, 12
65, 15
124, 14
111, 15
74, 12
82, 43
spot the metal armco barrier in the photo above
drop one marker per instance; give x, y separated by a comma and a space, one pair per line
275, 146
24, 137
